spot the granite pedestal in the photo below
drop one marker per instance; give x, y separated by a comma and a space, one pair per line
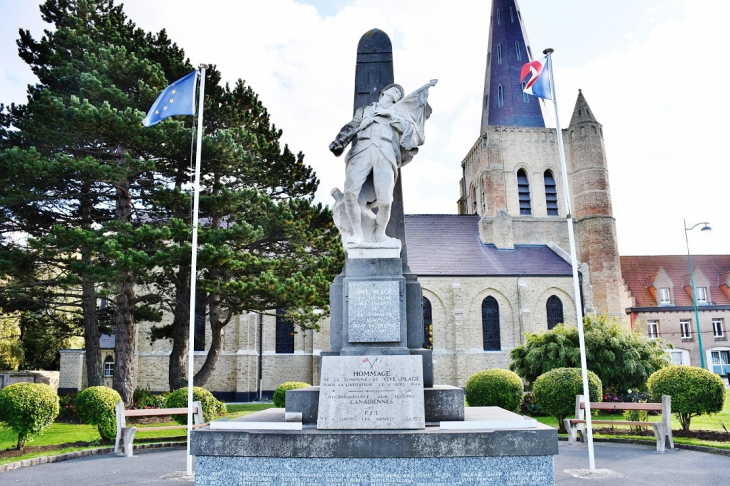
432, 455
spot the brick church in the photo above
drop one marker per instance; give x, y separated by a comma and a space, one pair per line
498, 268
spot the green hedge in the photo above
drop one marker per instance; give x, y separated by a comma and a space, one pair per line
28, 409
495, 388
694, 391
280, 392
211, 406
95, 406
555, 392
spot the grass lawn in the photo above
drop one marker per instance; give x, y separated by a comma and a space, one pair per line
64, 433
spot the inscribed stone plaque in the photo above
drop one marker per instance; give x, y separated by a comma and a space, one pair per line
371, 392
373, 311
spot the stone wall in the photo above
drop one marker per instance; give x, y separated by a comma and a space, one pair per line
456, 302
11, 377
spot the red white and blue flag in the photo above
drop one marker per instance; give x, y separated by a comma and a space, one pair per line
538, 72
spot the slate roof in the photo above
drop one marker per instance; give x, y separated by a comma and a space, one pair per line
107, 341
636, 271
449, 244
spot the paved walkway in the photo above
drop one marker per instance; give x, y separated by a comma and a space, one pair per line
628, 464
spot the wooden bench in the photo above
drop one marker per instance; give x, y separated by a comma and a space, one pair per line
125, 435
662, 429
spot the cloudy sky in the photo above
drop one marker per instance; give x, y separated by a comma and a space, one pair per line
649, 69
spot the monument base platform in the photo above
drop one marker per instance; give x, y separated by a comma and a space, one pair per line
510, 456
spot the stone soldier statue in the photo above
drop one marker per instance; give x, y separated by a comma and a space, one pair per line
385, 136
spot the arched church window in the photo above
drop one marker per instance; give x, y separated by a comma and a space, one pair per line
473, 198
499, 17
551, 194
109, 366
284, 334
427, 324
499, 53
511, 15
525, 98
523, 191
554, 311
517, 50
500, 95
490, 324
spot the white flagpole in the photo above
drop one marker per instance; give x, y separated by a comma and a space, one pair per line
193, 267
574, 264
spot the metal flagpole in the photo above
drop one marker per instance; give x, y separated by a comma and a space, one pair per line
193, 266
574, 264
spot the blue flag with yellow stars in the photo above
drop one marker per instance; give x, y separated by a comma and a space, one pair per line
176, 99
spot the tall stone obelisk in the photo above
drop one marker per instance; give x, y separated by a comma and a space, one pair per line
373, 72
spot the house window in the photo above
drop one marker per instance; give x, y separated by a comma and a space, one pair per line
427, 325
718, 329
720, 362
517, 50
284, 334
701, 294
523, 191
490, 324
652, 329
664, 297
554, 309
525, 98
108, 367
676, 357
500, 95
499, 53
551, 194
685, 327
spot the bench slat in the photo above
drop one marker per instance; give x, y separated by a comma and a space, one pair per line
612, 422
157, 411
652, 407
169, 427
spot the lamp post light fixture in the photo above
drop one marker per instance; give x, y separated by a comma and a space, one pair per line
706, 227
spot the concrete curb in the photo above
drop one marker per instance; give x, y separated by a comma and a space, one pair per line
77, 454
689, 447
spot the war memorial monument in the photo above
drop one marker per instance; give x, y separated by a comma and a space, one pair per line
377, 417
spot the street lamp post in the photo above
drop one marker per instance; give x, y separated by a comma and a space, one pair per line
706, 227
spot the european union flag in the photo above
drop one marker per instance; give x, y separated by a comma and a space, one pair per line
176, 99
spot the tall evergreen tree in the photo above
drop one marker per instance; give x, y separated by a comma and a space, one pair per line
105, 202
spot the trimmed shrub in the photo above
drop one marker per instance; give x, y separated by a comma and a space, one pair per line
495, 388
280, 393
211, 406
694, 391
28, 409
95, 406
555, 392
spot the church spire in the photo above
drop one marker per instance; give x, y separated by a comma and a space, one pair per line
503, 102
582, 112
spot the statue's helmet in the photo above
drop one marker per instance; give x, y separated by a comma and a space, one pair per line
394, 85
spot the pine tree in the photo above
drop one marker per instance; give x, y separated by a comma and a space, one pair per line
105, 202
